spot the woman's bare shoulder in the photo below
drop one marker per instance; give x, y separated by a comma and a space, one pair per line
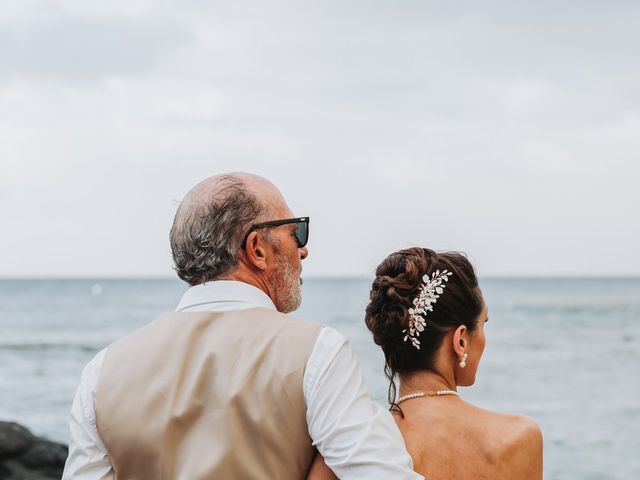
512, 430
523, 430
515, 442
519, 441
509, 425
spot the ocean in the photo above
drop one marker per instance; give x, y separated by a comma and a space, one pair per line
565, 352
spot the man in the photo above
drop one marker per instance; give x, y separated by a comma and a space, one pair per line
228, 386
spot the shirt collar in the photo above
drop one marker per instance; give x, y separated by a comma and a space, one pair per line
223, 295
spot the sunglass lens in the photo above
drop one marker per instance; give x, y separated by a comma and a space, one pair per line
302, 233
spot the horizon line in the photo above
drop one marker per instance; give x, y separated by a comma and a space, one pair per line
324, 277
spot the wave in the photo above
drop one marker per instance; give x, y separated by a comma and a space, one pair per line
591, 309
49, 346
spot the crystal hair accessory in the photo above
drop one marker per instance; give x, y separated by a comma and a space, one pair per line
428, 294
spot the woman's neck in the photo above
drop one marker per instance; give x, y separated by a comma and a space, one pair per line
424, 381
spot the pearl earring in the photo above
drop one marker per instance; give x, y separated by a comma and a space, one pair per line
463, 361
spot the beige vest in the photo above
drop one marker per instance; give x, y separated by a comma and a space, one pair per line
208, 396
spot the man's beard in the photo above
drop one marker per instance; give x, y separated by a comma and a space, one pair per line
287, 286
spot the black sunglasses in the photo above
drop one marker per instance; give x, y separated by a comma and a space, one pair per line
301, 232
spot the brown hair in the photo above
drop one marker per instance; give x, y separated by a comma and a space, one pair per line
398, 279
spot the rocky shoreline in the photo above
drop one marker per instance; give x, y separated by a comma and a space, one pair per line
23, 456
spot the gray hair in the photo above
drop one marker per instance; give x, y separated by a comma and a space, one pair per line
207, 233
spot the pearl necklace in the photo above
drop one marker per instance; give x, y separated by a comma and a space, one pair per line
430, 393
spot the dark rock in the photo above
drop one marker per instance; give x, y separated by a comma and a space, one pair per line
45, 454
4, 472
26, 457
14, 439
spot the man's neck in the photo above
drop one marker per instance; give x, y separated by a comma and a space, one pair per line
242, 275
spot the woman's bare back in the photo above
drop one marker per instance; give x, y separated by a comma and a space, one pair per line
449, 438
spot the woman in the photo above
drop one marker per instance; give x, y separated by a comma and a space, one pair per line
428, 314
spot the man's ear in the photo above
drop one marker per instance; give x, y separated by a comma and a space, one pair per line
460, 340
255, 251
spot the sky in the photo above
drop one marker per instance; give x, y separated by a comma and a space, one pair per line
507, 130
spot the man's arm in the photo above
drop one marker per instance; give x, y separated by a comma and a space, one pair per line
88, 459
356, 436
319, 470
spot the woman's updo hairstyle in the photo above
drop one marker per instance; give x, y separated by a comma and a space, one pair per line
398, 279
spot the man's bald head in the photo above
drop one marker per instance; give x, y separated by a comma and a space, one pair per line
210, 223
218, 186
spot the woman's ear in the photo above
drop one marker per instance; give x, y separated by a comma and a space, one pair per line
255, 251
460, 340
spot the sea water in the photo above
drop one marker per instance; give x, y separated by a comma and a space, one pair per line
564, 352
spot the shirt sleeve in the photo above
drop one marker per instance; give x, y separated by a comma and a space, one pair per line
356, 436
88, 459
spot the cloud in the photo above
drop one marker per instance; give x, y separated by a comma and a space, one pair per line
506, 130
58, 44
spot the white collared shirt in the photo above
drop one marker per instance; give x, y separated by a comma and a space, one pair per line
357, 437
